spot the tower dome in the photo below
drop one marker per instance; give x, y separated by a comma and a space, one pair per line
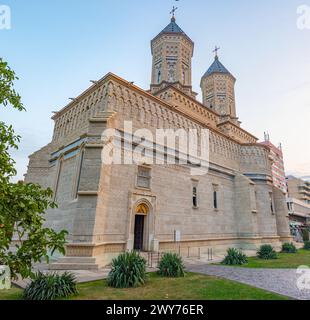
218, 89
172, 52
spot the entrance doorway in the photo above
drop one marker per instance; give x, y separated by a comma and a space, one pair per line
139, 232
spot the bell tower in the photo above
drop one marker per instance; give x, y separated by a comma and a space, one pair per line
218, 90
172, 52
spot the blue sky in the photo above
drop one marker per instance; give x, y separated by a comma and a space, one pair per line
56, 47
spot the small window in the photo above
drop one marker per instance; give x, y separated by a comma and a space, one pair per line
158, 76
215, 204
144, 177
271, 203
195, 199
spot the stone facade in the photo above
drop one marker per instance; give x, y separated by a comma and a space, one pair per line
104, 205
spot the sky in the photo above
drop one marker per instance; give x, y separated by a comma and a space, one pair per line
57, 46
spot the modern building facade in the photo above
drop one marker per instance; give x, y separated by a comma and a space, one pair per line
298, 189
299, 213
109, 208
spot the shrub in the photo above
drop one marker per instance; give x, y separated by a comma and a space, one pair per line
171, 265
128, 270
235, 257
307, 245
267, 252
305, 235
289, 248
50, 287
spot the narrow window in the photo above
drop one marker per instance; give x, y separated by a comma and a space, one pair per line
79, 174
59, 171
144, 177
158, 76
183, 77
195, 200
271, 202
215, 204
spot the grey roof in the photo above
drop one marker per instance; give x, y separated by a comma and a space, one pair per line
172, 27
216, 67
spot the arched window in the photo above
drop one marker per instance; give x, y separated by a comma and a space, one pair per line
142, 209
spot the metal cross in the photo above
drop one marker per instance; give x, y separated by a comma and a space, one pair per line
174, 9
216, 50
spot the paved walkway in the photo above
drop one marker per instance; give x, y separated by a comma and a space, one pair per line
281, 281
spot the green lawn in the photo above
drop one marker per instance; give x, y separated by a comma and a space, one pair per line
12, 294
284, 261
192, 287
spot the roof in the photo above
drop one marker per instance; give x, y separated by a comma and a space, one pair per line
173, 28
216, 67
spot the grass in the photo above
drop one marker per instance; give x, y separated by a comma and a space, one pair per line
13, 294
192, 287
284, 261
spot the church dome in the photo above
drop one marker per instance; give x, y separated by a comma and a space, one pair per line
216, 67
174, 29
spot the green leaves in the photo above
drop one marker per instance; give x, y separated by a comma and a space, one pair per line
235, 257
171, 265
267, 252
23, 238
289, 248
307, 245
8, 95
51, 287
128, 270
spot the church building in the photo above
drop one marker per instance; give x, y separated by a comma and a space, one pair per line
109, 208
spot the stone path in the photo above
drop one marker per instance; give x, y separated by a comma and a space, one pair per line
281, 281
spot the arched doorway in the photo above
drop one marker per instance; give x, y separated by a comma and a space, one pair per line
141, 213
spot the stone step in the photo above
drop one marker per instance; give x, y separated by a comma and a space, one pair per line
77, 260
59, 266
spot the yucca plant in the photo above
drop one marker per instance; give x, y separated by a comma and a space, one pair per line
307, 245
51, 287
305, 235
267, 252
171, 265
235, 257
128, 270
289, 248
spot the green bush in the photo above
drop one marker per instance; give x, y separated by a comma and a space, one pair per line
289, 248
171, 265
235, 257
50, 287
128, 270
267, 252
307, 245
305, 235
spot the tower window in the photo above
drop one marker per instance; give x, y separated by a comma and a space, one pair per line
215, 204
195, 198
158, 76
215, 196
271, 203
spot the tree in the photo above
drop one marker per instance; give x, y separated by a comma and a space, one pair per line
23, 238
